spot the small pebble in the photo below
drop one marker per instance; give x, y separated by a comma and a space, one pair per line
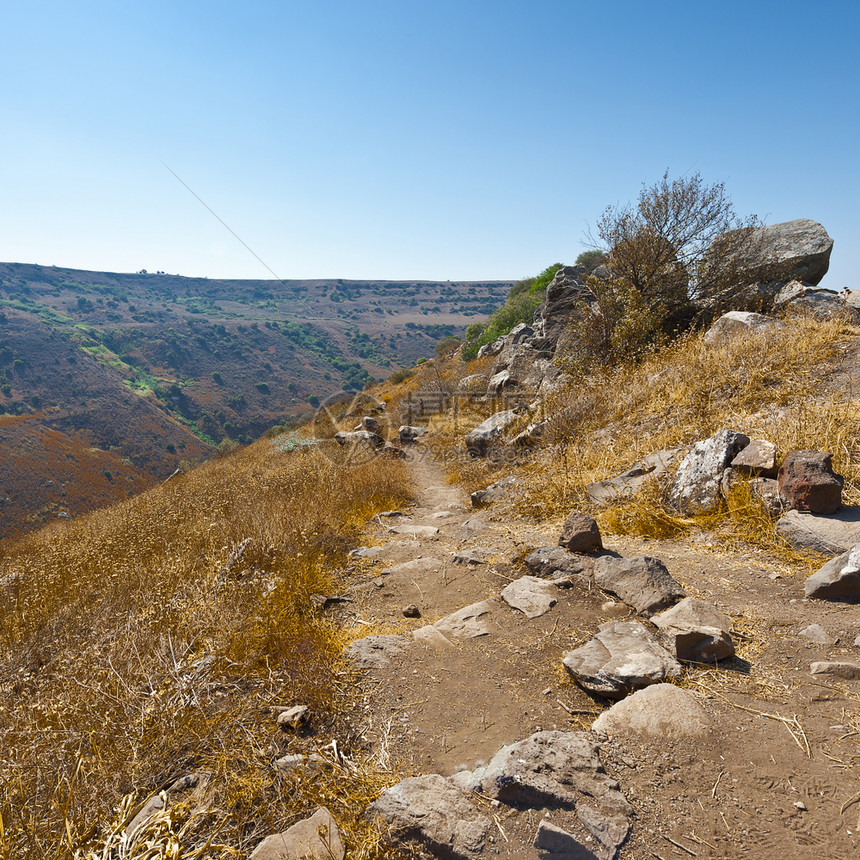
799, 804
379, 582
411, 611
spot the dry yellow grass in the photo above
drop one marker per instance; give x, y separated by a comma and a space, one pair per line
138, 644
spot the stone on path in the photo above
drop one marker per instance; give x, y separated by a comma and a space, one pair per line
414, 531
757, 459
409, 433
554, 840
481, 440
839, 579
432, 638
373, 652
560, 769
474, 556
695, 630
531, 595
580, 534
643, 583
843, 671
433, 811
494, 492
829, 535
807, 480
623, 656
366, 552
468, 622
817, 634
548, 561
696, 489
628, 483
314, 838
422, 564
658, 711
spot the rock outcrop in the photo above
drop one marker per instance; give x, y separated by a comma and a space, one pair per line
791, 251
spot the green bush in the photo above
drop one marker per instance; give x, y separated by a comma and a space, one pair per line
524, 298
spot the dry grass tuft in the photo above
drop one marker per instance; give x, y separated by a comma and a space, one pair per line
151, 640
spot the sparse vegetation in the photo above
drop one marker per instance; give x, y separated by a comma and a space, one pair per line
151, 640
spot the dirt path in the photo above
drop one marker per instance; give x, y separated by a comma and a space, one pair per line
763, 785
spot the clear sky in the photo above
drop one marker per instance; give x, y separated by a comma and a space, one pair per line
410, 138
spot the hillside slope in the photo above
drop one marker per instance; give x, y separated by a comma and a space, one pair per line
147, 372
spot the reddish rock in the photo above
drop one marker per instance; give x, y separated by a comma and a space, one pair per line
580, 534
807, 480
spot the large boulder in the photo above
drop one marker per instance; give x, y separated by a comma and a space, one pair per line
807, 480
791, 251
487, 434
696, 489
839, 579
315, 837
643, 583
431, 810
624, 656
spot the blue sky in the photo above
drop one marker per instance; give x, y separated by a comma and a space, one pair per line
410, 139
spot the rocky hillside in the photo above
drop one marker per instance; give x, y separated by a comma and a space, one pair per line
492, 609
110, 382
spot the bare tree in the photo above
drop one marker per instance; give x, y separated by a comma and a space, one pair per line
678, 254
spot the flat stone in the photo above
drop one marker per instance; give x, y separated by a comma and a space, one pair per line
414, 531
556, 841
468, 622
829, 535
366, 552
422, 564
817, 634
530, 595
311, 839
659, 711
696, 489
844, 671
474, 556
580, 534
758, 459
433, 811
432, 638
807, 480
643, 583
630, 482
624, 656
695, 630
838, 579
374, 652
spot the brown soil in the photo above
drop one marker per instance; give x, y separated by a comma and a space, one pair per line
753, 789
